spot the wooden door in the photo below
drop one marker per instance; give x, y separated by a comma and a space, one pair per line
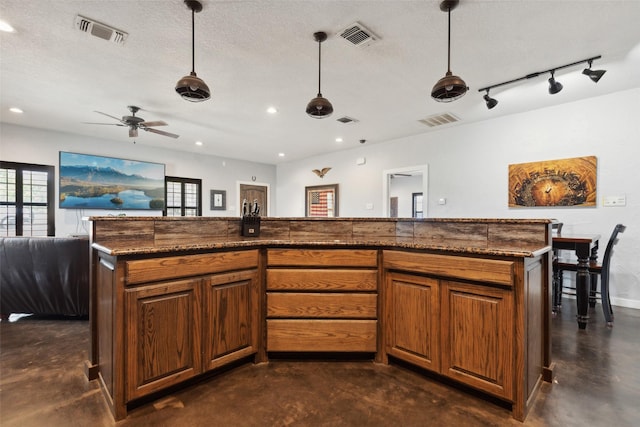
477, 336
252, 192
163, 335
413, 320
231, 317
393, 207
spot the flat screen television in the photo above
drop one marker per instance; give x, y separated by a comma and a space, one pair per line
97, 182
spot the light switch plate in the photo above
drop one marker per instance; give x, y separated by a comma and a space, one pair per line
612, 201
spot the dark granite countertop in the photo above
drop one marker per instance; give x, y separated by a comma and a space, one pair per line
457, 247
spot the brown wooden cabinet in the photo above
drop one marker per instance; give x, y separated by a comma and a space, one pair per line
413, 322
322, 300
166, 319
467, 318
231, 317
163, 335
477, 336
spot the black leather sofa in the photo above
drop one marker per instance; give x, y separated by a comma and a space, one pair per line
44, 275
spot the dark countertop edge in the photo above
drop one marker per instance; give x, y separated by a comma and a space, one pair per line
512, 252
363, 219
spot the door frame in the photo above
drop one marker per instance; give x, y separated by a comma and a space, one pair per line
386, 182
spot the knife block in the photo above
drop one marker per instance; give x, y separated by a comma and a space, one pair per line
251, 226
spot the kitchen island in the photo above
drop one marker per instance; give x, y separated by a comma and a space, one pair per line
174, 299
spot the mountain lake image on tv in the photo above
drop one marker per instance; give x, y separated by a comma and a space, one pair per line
96, 182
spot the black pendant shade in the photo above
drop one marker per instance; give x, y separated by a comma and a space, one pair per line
319, 107
450, 87
191, 87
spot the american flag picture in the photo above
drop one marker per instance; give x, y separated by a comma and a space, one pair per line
321, 203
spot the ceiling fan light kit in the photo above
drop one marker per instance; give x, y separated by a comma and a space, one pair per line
319, 107
554, 85
450, 87
191, 87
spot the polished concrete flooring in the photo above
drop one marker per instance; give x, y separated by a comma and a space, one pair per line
596, 383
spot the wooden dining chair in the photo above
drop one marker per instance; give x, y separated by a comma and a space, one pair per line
600, 269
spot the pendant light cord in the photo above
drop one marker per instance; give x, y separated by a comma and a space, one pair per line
449, 44
319, 66
193, 41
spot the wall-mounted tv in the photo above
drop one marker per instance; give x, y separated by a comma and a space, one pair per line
97, 182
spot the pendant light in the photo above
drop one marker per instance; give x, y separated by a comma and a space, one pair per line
191, 87
319, 107
450, 87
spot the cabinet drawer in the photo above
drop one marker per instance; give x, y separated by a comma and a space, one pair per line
323, 257
321, 335
322, 280
155, 269
499, 272
328, 305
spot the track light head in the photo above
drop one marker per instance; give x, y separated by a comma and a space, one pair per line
491, 102
594, 75
554, 86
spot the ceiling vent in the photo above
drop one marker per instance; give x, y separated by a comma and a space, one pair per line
439, 119
99, 30
346, 119
357, 35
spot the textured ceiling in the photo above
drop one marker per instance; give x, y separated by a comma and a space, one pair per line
256, 54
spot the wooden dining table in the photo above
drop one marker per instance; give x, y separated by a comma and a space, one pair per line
585, 246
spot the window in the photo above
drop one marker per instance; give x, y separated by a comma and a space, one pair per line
417, 205
183, 196
27, 198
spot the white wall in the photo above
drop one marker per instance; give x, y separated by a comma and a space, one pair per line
29, 145
468, 166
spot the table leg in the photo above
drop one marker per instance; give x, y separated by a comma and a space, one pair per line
582, 288
593, 258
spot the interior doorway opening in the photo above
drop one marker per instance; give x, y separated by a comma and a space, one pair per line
402, 183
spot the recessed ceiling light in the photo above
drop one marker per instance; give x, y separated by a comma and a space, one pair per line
16, 110
280, 154
272, 110
6, 27
198, 142
338, 139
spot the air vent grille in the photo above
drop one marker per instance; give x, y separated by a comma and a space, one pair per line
439, 119
99, 30
346, 119
357, 35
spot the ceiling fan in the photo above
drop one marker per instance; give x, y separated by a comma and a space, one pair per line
134, 123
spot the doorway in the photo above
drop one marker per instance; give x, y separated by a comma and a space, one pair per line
419, 174
254, 192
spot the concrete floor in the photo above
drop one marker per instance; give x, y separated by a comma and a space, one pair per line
597, 383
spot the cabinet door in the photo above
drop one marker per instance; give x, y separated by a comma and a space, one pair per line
412, 329
478, 336
163, 335
231, 317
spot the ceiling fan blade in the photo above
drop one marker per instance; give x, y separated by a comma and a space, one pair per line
109, 124
133, 132
156, 123
108, 115
161, 132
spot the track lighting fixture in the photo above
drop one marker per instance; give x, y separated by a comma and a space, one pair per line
594, 75
319, 107
450, 87
191, 87
491, 102
554, 86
